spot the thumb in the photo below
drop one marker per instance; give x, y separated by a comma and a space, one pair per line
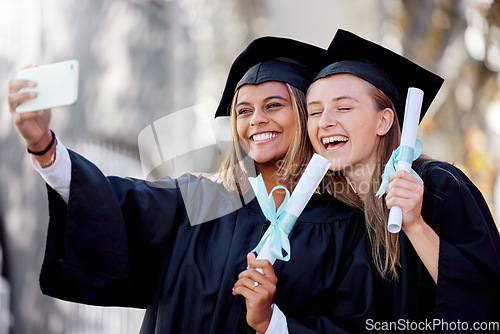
250, 258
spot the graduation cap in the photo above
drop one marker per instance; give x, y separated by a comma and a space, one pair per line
272, 59
391, 73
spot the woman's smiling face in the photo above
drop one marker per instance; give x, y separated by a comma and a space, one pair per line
265, 122
343, 124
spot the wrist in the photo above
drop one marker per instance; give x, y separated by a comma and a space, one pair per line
264, 325
47, 156
43, 145
413, 228
50, 162
262, 329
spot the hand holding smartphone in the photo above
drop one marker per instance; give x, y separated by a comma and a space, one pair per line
57, 85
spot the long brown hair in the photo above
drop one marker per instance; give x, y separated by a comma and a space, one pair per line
384, 245
236, 167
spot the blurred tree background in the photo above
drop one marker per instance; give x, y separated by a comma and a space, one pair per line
144, 59
460, 40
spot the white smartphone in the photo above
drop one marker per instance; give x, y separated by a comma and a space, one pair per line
57, 85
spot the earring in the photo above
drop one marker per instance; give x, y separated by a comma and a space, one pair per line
380, 131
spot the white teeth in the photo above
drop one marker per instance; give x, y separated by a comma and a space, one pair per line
331, 139
264, 136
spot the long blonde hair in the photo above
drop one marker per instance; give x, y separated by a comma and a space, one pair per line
236, 168
384, 245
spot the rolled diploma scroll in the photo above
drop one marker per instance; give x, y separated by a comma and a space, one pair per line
408, 137
309, 181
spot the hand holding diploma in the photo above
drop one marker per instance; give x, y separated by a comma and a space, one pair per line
403, 156
275, 240
258, 285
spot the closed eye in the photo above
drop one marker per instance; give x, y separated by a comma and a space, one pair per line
315, 113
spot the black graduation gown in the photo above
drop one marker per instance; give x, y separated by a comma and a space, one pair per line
125, 242
468, 287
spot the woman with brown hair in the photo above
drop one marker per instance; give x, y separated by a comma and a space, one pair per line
444, 267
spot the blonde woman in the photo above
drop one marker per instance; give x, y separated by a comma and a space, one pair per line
444, 267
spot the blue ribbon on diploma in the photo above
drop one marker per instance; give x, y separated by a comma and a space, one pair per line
402, 153
281, 221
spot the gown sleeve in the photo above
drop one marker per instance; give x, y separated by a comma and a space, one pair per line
468, 287
122, 242
107, 245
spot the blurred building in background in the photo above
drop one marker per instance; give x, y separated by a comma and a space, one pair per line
145, 62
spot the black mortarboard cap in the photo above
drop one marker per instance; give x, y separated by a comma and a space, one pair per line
390, 72
272, 59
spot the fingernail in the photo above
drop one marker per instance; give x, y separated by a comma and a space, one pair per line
31, 84
33, 94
